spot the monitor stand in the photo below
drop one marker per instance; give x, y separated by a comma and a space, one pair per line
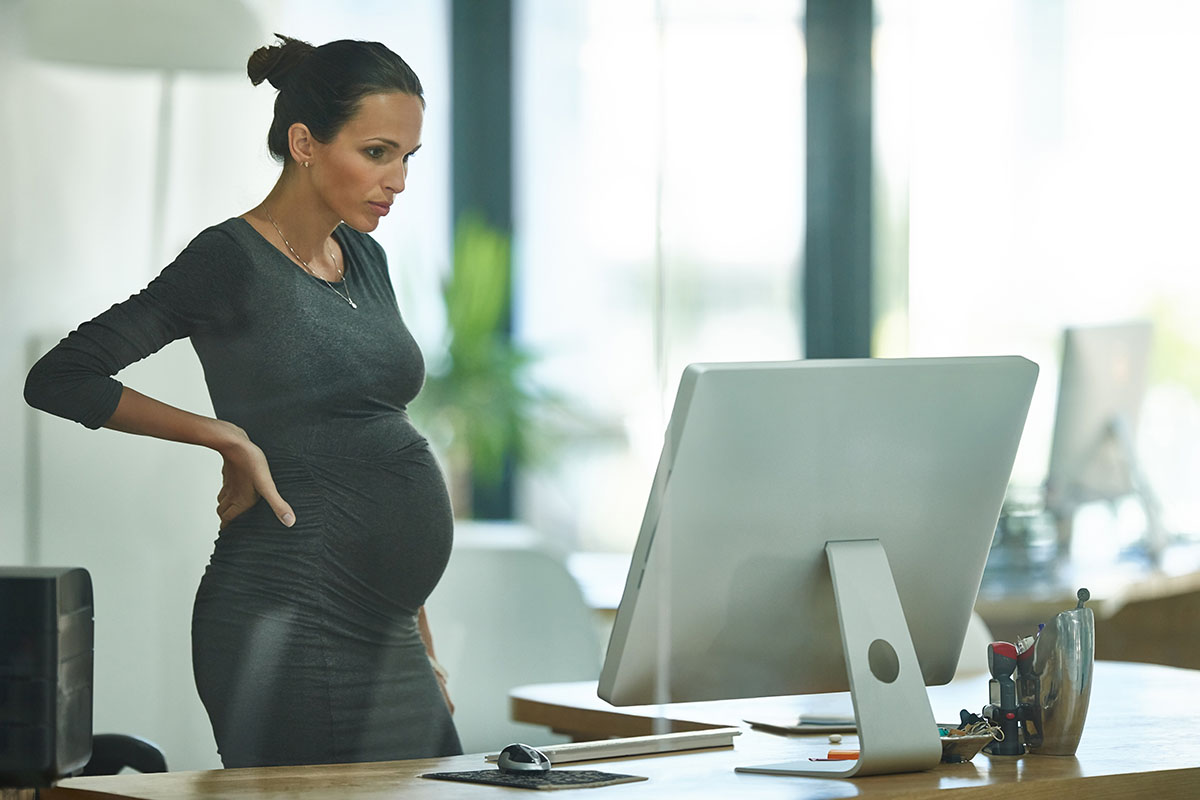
896, 730
1156, 534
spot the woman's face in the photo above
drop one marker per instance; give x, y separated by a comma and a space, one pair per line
360, 172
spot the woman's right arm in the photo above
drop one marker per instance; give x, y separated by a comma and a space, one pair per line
75, 379
246, 475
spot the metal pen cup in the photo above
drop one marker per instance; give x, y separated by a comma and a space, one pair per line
1061, 684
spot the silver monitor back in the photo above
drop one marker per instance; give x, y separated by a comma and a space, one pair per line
1101, 385
729, 592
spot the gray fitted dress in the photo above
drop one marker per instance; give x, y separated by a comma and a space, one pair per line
304, 640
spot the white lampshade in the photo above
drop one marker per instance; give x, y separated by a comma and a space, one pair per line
149, 34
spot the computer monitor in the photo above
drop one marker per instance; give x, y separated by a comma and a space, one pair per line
1093, 454
794, 500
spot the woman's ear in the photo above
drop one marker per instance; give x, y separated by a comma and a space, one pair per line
300, 143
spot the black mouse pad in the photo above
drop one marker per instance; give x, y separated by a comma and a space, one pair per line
554, 779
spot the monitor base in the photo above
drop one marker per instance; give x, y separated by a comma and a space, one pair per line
896, 730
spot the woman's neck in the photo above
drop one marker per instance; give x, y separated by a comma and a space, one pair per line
306, 223
299, 226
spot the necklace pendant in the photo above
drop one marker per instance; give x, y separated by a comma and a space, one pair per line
352, 304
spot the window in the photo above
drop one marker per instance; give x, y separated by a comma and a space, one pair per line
659, 173
1041, 159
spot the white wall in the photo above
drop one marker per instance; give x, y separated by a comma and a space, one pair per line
77, 157
12, 477
137, 513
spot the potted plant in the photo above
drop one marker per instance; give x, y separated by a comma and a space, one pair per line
479, 405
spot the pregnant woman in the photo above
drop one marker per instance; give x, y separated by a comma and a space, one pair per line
309, 641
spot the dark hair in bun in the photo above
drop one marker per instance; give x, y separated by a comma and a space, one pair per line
322, 86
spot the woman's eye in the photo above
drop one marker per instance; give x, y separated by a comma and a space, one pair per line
375, 152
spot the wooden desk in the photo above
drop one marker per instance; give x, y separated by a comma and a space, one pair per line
1133, 747
1137, 742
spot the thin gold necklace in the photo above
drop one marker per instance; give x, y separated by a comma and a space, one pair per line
309, 270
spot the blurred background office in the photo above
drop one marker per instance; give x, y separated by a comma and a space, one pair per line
655, 183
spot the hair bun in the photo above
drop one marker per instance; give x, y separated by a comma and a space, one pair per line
274, 62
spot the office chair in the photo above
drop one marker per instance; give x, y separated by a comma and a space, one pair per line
973, 658
497, 574
113, 752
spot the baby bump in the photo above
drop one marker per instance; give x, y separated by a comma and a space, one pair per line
374, 530
388, 523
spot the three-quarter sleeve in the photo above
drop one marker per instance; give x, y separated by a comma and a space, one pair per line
75, 378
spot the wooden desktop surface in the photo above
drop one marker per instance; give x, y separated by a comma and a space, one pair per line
1140, 741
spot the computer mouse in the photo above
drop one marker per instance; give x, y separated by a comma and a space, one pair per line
521, 759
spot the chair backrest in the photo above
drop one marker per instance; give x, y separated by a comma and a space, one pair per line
973, 658
113, 752
505, 614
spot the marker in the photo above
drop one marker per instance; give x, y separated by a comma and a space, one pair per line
838, 755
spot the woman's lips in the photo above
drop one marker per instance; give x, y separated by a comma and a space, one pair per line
381, 208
